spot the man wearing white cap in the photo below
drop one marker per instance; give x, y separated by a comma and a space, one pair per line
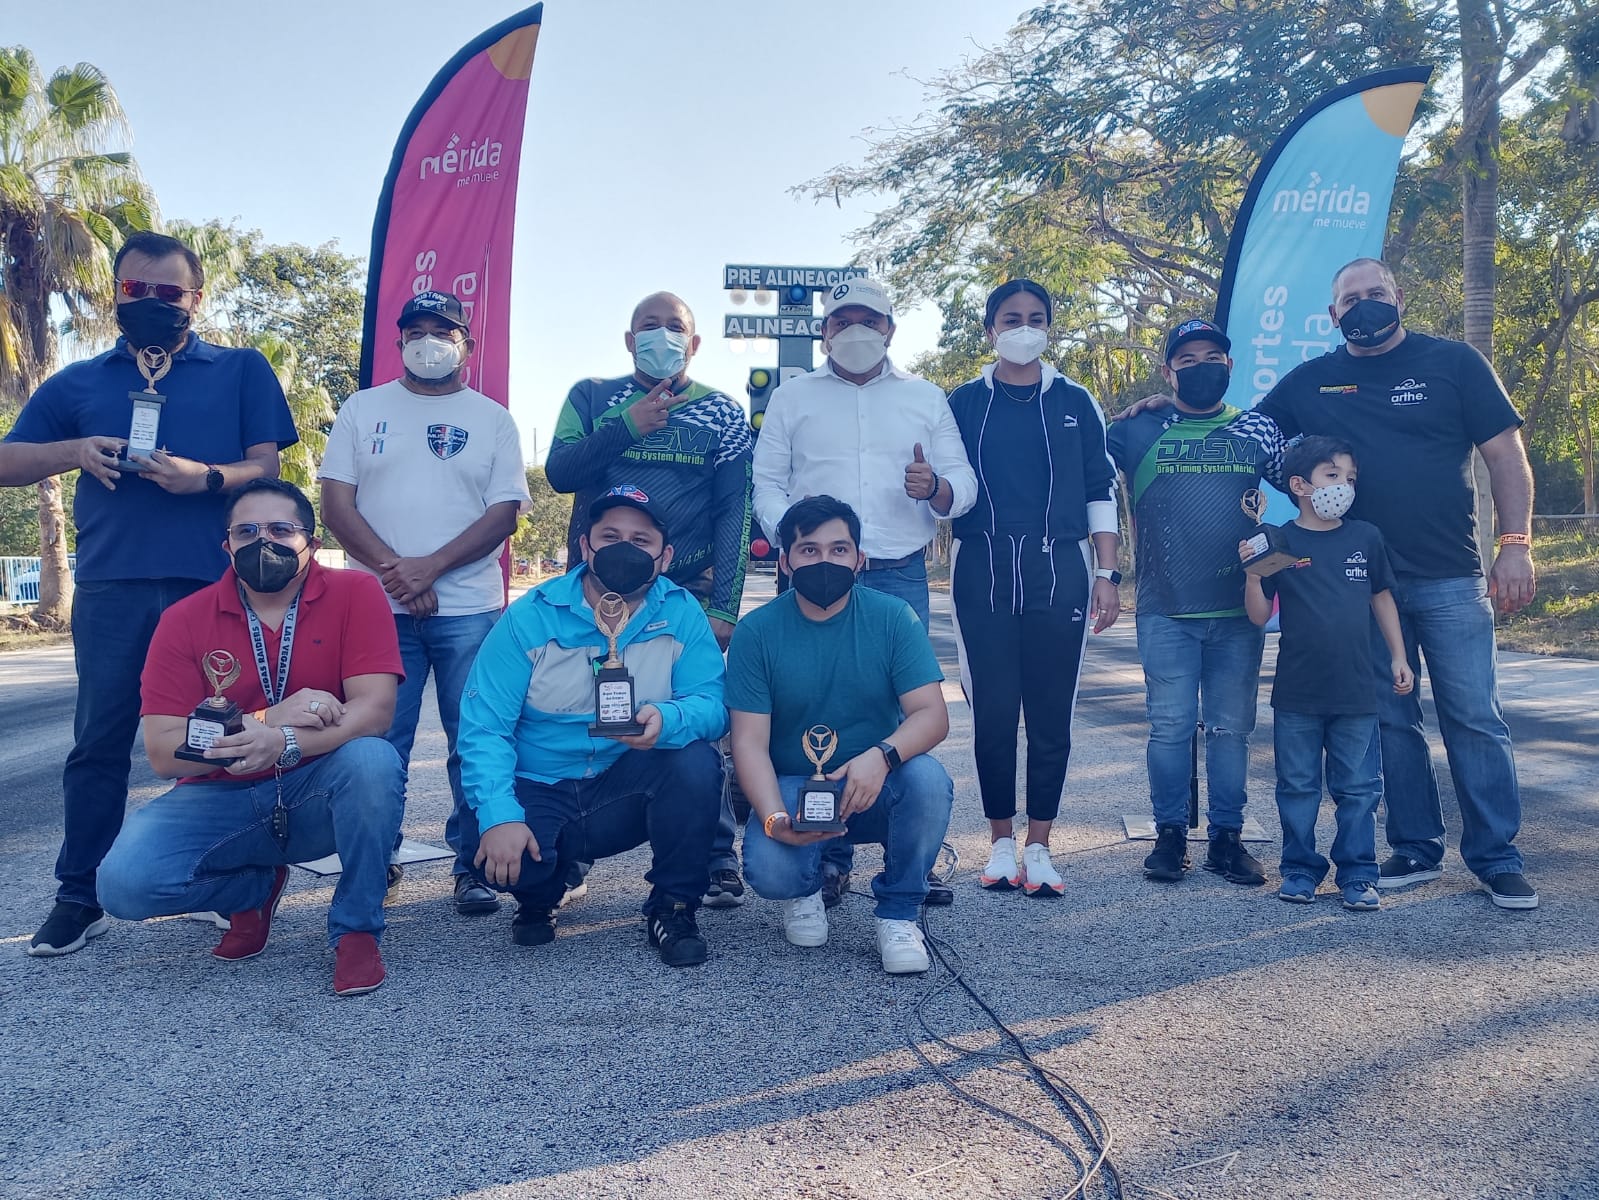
878, 438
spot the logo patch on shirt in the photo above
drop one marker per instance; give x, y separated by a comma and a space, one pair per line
1069, 421
1355, 567
1337, 389
377, 437
1408, 393
654, 625
446, 441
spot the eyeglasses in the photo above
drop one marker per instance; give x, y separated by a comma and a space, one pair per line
138, 289
278, 531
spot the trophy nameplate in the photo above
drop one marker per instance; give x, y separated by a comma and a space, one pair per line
216, 716
614, 697
820, 798
1268, 545
145, 428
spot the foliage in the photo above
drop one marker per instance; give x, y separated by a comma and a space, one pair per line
541, 533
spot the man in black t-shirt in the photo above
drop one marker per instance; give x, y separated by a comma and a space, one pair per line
1413, 407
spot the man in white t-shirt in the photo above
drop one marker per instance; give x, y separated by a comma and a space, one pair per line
422, 483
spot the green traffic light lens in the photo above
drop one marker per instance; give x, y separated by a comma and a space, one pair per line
760, 378
757, 420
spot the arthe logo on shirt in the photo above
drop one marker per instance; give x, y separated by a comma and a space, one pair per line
1355, 567
1408, 393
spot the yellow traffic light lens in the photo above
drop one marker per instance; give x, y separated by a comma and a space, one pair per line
757, 419
760, 378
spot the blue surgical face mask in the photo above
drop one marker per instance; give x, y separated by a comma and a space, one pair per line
660, 353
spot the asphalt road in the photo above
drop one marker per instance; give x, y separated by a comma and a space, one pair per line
1238, 1046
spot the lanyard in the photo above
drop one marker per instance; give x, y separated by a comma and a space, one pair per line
285, 649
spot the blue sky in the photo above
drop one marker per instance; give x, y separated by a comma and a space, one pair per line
662, 139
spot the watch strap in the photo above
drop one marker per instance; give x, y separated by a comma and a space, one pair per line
891, 754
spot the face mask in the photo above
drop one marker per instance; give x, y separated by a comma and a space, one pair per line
623, 568
432, 357
1021, 345
1333, 501
823, 584
1369, 322
660, 353
265, 566
1202, 385
857, 350
152, 322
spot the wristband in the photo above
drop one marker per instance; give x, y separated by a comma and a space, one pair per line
933, 495
1515, 539
766, 825
260, 715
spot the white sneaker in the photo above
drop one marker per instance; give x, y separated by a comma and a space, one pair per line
1001, 874
1039, 876
805, 921
210, 918
900, 943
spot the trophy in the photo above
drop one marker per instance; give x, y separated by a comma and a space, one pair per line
613, 685
819, 796
153, 363
1268, 545
216, 716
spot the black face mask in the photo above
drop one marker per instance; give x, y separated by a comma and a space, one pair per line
1369, 322
824, 583
1202, 385
152, 322
623, 568
265, 566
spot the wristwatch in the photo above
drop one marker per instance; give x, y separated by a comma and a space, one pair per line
213, 479
891, 754
1109, 573
291, 750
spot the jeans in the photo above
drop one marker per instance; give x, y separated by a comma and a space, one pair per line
1354, 777
909, 583
112, 623
448, 645
208, 846
909, 819
723, 857
668, 798
1186, 660
1450, 622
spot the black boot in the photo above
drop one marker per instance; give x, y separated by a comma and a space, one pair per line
1231, 861
1169, 859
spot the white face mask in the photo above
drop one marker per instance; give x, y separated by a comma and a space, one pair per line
1021, 345
857, 349
432, 357
1333, 501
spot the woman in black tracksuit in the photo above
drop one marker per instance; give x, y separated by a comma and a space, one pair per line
1034, 563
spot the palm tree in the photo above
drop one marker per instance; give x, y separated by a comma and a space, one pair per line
69, 193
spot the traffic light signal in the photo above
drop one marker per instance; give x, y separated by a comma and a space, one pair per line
761, 382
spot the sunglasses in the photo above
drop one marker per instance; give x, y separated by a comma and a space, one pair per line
138, 289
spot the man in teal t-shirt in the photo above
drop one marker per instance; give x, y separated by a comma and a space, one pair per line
828, 653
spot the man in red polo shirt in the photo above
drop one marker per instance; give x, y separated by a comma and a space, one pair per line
311, 658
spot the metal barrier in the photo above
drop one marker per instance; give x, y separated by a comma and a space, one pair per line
19, 577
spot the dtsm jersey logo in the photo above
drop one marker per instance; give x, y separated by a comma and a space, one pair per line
1408, 393
1355, 567
473, 164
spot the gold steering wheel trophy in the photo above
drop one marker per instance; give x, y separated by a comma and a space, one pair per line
820, 798
1268, 545
614, 691
216, 716
144, 431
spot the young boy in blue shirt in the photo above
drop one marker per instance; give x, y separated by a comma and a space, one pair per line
1324, 696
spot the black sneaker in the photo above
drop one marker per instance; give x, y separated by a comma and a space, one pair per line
835, 885
1401, 871
938, 892
1169, 859
676, 936
392, 891
726, 890
68, 928
1229, 859
532, 926
473, 897
1511, 890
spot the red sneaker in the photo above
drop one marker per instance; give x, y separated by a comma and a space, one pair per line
247, 935
357, 965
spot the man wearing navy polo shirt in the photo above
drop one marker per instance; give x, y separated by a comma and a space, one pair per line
147, 523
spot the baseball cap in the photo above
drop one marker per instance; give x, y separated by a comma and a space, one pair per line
631, 496
1193, 330
434, 304
866, 292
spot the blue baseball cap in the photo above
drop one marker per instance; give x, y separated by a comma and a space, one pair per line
631, 496
434, 304
1194, 330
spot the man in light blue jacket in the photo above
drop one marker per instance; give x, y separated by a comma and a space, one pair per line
545, 790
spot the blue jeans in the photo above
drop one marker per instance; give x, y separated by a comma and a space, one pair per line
909, 819
1186, 659
1354, 777
723, 857
668, 798
448, 645
1450, 622
112, 623
909, 583
208, 846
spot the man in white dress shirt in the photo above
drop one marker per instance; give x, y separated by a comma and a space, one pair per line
865, 432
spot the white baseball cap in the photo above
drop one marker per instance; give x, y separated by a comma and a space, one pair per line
866, 292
